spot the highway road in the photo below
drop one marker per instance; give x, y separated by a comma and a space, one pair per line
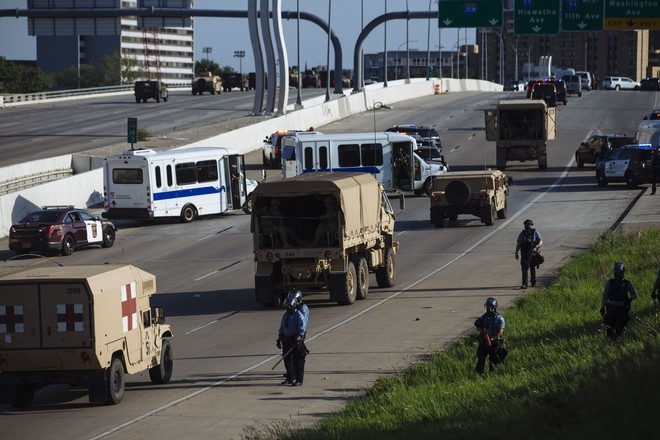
224, 344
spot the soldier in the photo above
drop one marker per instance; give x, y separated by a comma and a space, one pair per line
655, 168
528, 244
491, 326
290, 339
615, 304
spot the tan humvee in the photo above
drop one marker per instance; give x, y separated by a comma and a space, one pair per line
206, 81
479, 193
86, 325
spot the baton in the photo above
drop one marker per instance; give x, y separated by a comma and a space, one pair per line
285, 355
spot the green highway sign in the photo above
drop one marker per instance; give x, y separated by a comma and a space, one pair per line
632, 14
536, 17
470, 14
582, 15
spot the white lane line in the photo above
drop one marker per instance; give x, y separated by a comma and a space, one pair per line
347, 320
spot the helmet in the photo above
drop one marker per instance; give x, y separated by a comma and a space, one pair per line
618, 270
528, 223
491, 304
293, 299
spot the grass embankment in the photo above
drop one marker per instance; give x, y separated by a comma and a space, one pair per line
563, 378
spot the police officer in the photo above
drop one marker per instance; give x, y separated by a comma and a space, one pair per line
615, 305
655, 168
290, 339
528, 244
491, 327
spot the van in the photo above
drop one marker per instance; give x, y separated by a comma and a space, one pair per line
389, 157
585, 79
573, 84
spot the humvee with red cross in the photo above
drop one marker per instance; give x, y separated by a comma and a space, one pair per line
88, 325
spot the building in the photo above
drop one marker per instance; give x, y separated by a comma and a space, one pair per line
165, 53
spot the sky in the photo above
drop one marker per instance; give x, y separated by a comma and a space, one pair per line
225, 35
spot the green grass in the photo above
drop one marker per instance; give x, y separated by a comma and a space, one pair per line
563, 378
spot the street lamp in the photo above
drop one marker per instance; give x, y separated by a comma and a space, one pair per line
240, 54
396, 58
207, 51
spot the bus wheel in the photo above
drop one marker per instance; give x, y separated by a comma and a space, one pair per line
188, 214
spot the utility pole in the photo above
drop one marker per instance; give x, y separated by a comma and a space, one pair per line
240, 54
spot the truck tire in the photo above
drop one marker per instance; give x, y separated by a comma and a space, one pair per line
188, 213
362, 272
24, 395
162, 373
108, 237
580, 162
437, 217
501, 213
457, 192
115, 382
348, 287
247, 206
386, 275
68, 245
543, 161
501, 159
137, 99
488, 214
428, 187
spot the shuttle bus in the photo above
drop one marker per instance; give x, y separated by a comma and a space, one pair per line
183, 182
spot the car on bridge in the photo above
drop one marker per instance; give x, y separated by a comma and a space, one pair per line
599, 147
630, 164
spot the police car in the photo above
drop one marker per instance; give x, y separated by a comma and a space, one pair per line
630, 164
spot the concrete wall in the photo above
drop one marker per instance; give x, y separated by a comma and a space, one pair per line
85, 188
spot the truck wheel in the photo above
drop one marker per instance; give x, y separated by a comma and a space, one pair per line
386, 275
501, 213
437, 217
188, 214
247, 206
600, 178
108, 238
362, 271
543, 161
162, 373
24, 395
137, 100
580, 162
349, 286
500, 158
457, 192
68, 245
158, 98
115, 382
428, 187
488, 214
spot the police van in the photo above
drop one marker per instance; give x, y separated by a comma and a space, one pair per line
183, 182
389, 157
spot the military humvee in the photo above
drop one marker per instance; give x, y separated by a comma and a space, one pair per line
479, 193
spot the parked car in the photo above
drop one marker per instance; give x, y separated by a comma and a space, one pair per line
650, 84
60, 229
630, 164
545, 91
599, 147
619, 83
424, 133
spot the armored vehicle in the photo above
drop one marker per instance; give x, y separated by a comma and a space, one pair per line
479, 193
322, 231
206, 81
150, 90
84, 325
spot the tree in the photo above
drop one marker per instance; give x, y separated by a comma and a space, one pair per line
208, 65
23, 79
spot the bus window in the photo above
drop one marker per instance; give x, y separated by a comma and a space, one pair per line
349, 155
323, 157
127, 175
207, 171
159, 179
185, 173
372, 154
169, 175
308, 154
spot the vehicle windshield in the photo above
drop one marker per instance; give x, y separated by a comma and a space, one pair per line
41, 217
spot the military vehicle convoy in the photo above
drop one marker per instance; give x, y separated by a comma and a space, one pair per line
151, 89
83, 325
521, 130
479, 193
206, 81
322, 231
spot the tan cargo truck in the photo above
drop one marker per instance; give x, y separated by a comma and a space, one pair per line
521, 129
81, 325
479, 193
322, 231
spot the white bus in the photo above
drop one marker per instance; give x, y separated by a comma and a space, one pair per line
390, 157
183, 182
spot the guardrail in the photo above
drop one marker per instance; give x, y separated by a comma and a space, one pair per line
30, 98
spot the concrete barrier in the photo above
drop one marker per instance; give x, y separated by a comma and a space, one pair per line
85, 188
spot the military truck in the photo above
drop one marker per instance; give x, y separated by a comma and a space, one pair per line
521, 130
83, 325
206, 81
144, 90
322, 231
479, 193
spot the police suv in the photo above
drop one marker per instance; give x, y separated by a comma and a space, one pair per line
630, 164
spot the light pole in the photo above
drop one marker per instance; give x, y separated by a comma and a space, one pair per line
207, 51
515, 50
396, 58
298, 76
407, 41
240, 54
327, 67
385, 50
428, 44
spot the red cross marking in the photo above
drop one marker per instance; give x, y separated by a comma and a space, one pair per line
67, 318
128, 307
